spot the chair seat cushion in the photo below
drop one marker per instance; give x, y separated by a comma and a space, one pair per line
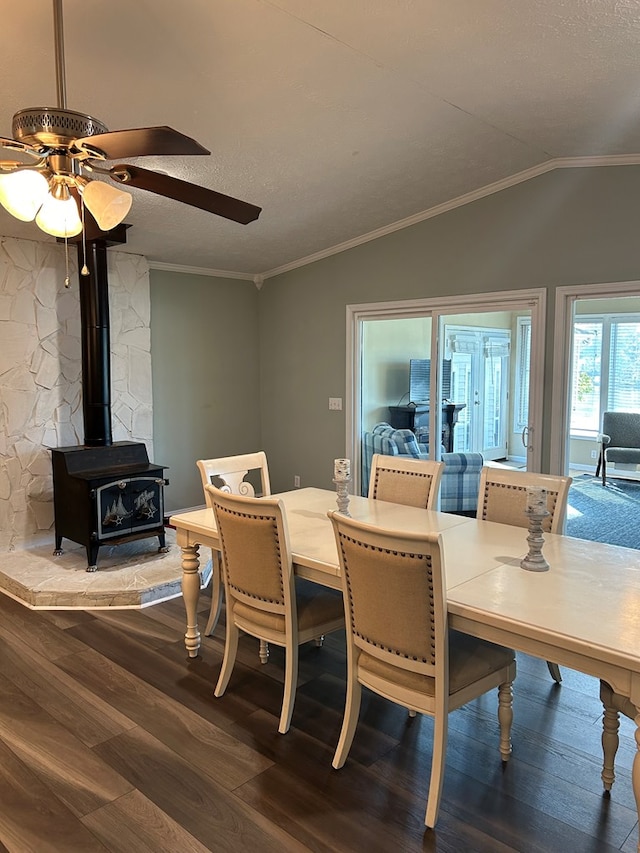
470, 659
316, 605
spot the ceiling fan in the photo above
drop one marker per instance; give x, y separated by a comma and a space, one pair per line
63, 151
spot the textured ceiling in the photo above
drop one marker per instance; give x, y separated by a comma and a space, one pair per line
338, 118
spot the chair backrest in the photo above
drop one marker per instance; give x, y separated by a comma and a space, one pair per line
623, 428
228, 473
256, 556
394, 595
405, 480
388, 441
502, 497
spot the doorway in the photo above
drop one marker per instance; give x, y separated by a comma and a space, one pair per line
495, 380
597, 368
480, 359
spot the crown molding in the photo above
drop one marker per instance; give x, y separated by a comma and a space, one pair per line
460, 201
158, 265
445, 207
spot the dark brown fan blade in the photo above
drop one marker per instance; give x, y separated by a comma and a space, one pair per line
210, 200
140, 142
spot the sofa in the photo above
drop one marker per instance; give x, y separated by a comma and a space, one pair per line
460, 478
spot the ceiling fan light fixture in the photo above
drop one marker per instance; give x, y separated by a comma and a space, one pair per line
23, 192
59, 216
108, 205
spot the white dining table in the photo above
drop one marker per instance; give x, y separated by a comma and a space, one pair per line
584, 612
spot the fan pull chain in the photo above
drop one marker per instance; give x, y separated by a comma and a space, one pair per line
85, 268
67, 280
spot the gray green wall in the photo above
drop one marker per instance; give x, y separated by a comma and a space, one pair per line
204, 347
570, 226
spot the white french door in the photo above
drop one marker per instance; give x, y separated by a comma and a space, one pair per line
480, 370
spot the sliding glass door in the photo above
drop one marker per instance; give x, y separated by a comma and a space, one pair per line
604, 372
596, 367
473, 364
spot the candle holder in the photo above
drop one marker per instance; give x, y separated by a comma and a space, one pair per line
534, 561
342, 489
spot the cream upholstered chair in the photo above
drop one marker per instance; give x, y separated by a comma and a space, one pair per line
229, 473
405, 480
502, 497
262, 596
614, 705
399, 644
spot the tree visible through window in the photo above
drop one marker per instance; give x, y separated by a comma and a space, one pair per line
605, 370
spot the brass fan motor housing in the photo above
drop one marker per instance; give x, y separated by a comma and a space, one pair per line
53, 127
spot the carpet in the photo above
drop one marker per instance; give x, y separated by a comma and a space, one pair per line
610, 514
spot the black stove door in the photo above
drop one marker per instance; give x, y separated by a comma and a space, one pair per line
130, 505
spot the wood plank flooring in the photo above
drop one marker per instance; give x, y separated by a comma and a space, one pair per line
111, 740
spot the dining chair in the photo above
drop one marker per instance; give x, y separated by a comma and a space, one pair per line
405, 480
614, 704
502, 497
400, 646
230, 473
262, 596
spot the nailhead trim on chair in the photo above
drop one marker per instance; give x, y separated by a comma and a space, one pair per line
552, 495
424, 557
403, 472
233, 586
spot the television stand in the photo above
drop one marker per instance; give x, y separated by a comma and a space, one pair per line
416, 418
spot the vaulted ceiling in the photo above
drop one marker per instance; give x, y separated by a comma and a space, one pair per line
337, 118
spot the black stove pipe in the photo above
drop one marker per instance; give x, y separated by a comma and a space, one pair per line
96, 344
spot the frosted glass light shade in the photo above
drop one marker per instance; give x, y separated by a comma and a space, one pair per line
59, 217
108, 205
22, 193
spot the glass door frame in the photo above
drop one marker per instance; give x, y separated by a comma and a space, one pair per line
532, 300
566, 297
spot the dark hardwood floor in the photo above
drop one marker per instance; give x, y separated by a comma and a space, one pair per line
111, 740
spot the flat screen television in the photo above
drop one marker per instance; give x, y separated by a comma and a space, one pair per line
420, 378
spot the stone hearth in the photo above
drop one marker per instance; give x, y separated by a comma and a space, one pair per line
133, 575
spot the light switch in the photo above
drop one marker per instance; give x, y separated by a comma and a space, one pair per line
335, 404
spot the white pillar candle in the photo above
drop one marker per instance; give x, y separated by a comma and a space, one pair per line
536, 498
341, 469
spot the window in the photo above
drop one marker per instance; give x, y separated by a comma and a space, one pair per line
605, 373
586, 369
523, 371
605, 370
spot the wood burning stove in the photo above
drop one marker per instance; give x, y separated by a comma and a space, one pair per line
103, 492
106, 496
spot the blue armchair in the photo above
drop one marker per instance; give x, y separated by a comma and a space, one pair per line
460, 478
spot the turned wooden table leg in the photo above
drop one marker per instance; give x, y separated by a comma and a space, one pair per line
610, 741
190, 593
635, 771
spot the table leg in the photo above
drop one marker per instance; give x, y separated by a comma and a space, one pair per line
635, 770
190, 593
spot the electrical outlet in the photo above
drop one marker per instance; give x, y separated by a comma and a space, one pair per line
594, 454
296, 481
335, 404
